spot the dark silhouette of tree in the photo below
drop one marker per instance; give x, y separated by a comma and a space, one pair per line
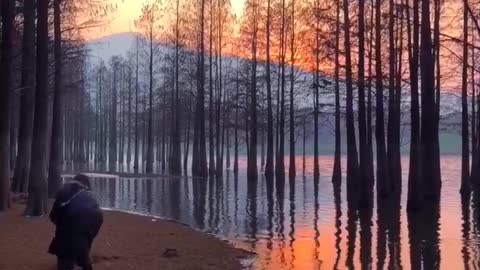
337, 167
22, 165
291, 168
56, 155
429, 136
199, 166
8, 16
37, 204
414, 176
465, 136
269, 166
383, 181
352, 154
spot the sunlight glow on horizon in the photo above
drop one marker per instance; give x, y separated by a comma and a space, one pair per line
128, 11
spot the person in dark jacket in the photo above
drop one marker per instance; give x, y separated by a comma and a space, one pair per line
78, 218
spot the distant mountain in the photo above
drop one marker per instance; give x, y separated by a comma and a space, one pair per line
106, 47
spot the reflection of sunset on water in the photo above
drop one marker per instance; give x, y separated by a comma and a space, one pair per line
303, 236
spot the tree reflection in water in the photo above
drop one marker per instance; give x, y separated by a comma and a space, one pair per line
303, 224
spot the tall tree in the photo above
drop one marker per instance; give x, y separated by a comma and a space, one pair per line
136, 158
415, 158
211, 135
22, 168
252, 170
352, 154
337, 167
291, 168
112, 147
148, 23
465, 136
362, 124
176, 153
56, 157
382, 172
8, 16
280, 168
429, 143
269, 166
316, 166
199, 166
37, 204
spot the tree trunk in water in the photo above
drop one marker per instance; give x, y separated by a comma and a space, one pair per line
316, 166
414, 176
235, 160
371, 174
352, 154
269, 167
391, 103
136, 150
37, 204
54, 178
199, 167
149, 161
383, 182
362, 124
27, 106
252, 170
8, 16
112, 156
280, 168
465, 137
432, 182
176, 153
129, 126
337, 167
291, 168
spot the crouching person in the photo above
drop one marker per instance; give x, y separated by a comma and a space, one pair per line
78, 218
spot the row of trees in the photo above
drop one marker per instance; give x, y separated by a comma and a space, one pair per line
50, 59
284, 52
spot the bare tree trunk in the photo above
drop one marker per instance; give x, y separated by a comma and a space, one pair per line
414, 176
8, 16
37, 204
337, 170
27, 106
432, 181
235, 161
369, 99
252, 170
465, 137
199, 167
316, 166
291, 169
176, 153
54, 178
129, 125
391, 102
136, 161
352, 154
269, 166
362, 121
382, 165
280, 168
149, 161
112, 156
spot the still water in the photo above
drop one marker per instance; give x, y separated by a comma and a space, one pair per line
298, 228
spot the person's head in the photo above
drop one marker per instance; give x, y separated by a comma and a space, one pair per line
83, 179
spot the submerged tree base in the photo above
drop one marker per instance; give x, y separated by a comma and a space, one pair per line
125, 242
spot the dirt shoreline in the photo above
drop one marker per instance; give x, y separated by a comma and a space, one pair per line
126, 242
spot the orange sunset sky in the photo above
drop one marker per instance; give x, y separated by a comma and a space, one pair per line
122, 20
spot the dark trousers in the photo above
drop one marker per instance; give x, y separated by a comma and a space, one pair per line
69, 263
